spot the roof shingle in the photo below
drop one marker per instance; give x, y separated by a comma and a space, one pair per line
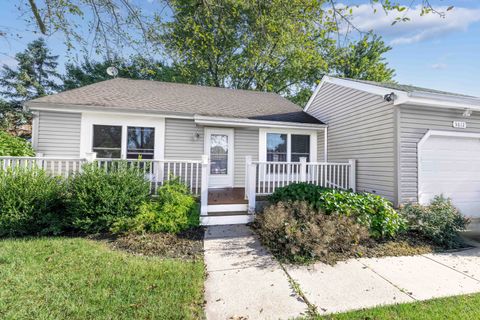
176, 98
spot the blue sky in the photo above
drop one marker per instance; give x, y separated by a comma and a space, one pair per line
428, 51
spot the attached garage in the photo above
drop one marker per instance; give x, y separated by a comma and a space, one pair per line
449, 164
410, 143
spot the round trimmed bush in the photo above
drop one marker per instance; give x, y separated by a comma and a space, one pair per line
31, 202
99, 197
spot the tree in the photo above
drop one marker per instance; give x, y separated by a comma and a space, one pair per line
363, 60
34, 76
88, 72
269, 45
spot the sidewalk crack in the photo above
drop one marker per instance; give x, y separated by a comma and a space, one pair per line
390, 282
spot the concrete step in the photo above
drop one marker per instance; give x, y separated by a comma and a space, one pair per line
227, 207
224, 218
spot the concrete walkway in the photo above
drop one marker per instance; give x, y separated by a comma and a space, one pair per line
245, 282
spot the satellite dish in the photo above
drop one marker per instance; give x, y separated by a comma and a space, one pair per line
112, 71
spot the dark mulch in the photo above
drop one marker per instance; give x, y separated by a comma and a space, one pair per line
185, 245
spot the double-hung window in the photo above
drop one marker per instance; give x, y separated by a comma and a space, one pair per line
120, 142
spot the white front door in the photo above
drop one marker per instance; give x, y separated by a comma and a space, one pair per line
219, 145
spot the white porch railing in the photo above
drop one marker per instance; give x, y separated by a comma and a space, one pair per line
263, 178
57, 166
193, 173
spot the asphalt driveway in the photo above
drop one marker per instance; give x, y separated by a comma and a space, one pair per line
245, 282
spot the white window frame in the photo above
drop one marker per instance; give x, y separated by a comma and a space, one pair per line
125, 121
262, 151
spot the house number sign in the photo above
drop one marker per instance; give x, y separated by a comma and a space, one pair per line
459, 124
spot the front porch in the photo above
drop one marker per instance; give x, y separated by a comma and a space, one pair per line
226, 205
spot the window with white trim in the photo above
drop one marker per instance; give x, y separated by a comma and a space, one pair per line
108, 142
287, 147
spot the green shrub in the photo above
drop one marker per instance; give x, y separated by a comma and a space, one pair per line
31, 202
372, 211
99, 197
297, 232
14, 146
439, 222
174, 210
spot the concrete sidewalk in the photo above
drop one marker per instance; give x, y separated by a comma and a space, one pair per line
245, 281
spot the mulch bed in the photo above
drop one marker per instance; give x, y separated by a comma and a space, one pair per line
185, 245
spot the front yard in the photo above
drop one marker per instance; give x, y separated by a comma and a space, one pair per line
75, 278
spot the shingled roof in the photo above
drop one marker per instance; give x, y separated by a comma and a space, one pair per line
176, 98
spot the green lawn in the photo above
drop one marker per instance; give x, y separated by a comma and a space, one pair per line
72, 278
460, 307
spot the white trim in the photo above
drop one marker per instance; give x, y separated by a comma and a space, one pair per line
422, 141
242, 122
35, 128
325, 145
225, 220
72, 108
216, 181
262, 143
403, 97
227, 207
89, 119
315, 92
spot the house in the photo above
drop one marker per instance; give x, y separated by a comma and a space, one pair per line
409, 143
178, 124
404, 143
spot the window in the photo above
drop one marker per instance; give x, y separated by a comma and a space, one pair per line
140, 143
287, 147
276, 147
219, 154
107, 141
300, 147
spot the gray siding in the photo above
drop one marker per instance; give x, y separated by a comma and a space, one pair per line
246, 144
58, 134
179, 144
361, 126
179, 141
414, 123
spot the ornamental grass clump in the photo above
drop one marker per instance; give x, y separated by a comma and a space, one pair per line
296, 232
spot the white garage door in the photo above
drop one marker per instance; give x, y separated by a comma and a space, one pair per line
450, 165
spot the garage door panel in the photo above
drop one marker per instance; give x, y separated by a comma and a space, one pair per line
451, 166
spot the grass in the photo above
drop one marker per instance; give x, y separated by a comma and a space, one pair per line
74, 278
459, 307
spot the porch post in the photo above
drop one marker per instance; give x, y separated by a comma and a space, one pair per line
204, 186
352, 178
303, 169
90, 156
250, 184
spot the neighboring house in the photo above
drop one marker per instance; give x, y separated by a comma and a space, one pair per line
409, 143
128, 119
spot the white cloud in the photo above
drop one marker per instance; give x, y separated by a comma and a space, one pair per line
439, 66
419, 28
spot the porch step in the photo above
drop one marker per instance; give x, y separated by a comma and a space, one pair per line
222, 218
227, 207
